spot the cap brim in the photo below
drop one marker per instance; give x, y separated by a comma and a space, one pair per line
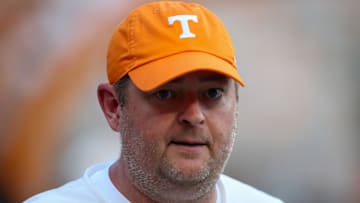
156, 73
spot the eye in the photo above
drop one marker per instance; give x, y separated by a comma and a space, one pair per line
164, 94
214, 93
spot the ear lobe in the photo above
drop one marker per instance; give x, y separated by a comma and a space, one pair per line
109, 104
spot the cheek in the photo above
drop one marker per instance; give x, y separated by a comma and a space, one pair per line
140, 145
221, 125
153, 127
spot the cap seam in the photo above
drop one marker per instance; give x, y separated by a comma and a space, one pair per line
132, 39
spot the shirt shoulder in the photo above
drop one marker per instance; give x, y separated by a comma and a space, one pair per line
79, 190
72, 192
235, 191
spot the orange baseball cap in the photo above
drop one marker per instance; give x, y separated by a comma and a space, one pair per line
161, 41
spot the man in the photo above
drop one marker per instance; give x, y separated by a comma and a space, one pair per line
172, 96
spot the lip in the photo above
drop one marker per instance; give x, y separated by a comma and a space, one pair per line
189, 141
189, 147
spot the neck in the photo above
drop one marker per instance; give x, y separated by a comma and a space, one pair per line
121, 180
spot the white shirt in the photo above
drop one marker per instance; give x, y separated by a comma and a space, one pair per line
96, 187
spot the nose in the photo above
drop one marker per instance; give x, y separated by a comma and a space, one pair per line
192, 113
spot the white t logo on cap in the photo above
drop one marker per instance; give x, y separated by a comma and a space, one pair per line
184, 22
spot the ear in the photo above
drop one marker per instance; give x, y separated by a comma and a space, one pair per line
109, 104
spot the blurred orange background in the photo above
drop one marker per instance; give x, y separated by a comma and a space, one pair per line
298, 136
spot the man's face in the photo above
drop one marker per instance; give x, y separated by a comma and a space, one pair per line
178, 137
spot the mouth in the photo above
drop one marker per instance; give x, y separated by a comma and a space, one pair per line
192, 151
189, 148
188, 143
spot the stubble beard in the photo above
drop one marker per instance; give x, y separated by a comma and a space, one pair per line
156, 177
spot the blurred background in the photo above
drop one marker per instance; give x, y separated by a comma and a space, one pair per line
298, 136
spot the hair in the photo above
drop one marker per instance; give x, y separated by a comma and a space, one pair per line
121, 89
236, 91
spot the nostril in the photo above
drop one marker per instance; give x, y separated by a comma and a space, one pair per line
185, 121
193, 121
